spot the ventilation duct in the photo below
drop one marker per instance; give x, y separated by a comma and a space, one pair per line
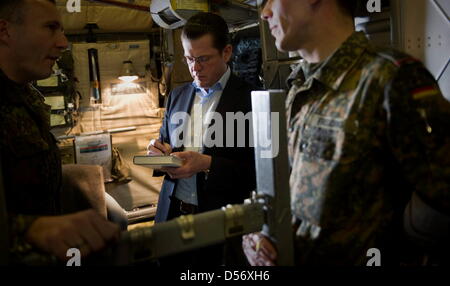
172, 14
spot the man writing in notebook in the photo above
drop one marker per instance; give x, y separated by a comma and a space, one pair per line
212, 175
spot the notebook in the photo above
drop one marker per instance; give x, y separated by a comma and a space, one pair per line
157, 161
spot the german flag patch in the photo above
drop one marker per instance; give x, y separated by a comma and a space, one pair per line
407, 60
423, 92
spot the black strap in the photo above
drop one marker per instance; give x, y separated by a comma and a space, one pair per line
425, 225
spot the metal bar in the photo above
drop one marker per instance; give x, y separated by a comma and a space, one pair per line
272, 168
237, 29
186, 233
115, 130
243, 5
94, 76
397, 20
140, 214
181, 234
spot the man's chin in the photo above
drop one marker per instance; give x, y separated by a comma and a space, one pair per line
281, 47
44, 75
201, 84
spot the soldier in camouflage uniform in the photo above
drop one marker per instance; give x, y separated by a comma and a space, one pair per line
367, 127
31, 39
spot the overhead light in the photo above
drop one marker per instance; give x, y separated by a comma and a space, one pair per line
128, 73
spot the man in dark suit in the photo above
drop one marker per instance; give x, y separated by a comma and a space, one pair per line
218, 168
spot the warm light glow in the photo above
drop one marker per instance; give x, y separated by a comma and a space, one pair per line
128, 79
124, 88
128, 74
126, 85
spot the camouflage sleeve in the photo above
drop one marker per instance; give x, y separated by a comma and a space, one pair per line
18, 227
418, 117
22, 252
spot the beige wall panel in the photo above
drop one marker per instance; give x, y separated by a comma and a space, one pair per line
180, 73
124, 110
111, 57
108, 18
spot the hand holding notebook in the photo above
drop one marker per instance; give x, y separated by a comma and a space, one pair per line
157, 161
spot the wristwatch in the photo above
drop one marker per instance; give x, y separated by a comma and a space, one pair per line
206, 173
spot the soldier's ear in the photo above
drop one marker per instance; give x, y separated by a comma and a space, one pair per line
227, 52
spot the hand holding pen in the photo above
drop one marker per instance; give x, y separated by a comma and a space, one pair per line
157, 147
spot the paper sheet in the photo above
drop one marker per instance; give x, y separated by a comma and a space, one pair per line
95, 150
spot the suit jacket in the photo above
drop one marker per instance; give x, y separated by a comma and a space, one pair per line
232, 173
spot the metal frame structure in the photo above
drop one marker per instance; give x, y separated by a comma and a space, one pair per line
272, 172
186, 233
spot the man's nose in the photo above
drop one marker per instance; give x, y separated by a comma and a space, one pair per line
62, 42
196, 66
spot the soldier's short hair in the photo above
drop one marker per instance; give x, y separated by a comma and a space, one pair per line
204, 23
11, 10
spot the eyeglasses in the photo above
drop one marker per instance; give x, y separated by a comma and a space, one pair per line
200, 60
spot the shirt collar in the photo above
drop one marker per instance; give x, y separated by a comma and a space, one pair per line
15, 92
219, 85
333, 70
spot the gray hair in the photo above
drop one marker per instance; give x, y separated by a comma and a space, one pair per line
11, 10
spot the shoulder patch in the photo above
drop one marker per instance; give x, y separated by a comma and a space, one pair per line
423, 92
406, 60
396, 57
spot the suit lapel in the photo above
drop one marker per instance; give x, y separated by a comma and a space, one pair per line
228, 103
183, 104
227, 100
187, 104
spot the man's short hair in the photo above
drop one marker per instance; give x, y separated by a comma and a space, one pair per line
207, 23
11, 10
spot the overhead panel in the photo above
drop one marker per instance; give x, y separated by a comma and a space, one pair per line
110, 19
172, 14
445, 6
377, 27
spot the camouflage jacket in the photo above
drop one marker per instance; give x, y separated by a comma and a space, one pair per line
30, 160
366, 128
